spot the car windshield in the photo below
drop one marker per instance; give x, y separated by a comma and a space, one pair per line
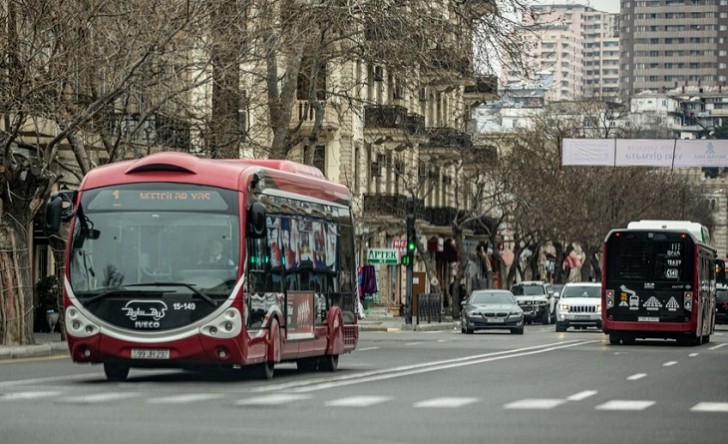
528, 290
491, 297
581, 292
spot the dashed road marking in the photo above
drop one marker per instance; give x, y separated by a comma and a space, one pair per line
27, 395
636, 376
541, 404
272, 399
692, 355
445, 402
716, 347
367, 348
582, 395
99, 397
669, 363
184, 399
710, 407
625, 405
358, 401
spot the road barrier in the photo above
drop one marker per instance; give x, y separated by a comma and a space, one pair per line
429, 307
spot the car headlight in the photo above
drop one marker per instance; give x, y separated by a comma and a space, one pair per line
599, 308
515, 313
473, 313
564, 307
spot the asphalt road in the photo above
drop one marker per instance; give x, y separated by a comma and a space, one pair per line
398, 387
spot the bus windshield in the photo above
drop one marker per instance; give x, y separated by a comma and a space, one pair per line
650, 257
155, 238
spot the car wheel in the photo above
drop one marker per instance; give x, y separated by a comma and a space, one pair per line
517, 331
546, 317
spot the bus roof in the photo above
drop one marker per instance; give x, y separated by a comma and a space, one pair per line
284, 176
699, 231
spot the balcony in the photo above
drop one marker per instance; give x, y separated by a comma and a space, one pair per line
451, 60
441, 216
167, 131
483, 90
390, 205
448, 138
385, 116
416, 124
305, 116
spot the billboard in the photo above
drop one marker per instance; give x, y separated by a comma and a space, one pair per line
672, 153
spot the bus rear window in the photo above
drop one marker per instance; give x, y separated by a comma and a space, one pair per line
650, 257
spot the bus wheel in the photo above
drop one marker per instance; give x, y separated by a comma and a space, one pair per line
614, 339
265, 370
116, 372
329, 363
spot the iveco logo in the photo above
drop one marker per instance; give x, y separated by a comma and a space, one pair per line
145, 309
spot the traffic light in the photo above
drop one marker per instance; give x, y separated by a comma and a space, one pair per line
408, 258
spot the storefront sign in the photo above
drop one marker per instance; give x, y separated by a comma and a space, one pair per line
386, 256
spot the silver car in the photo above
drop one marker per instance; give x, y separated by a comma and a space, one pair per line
491, 310
580, 306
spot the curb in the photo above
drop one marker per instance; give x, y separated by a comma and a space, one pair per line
31, 351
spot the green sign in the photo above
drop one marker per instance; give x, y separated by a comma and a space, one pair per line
386, 256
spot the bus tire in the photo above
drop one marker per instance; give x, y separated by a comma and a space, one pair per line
265, 371
116, 372
614, 339
329, 363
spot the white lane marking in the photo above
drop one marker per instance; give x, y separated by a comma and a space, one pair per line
27, 395
692, 355
442, 340
99, 397
710, 407
358, 401
636, 376
716, 347
182, 399
273, 399
669, 363
625, 405
413, 343
445, 402
582, 395
367, 348
37, 381
406, 370
540, 404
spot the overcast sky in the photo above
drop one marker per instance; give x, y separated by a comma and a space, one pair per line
599, 5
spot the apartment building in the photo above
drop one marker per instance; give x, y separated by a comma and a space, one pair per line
578, 44
668, 43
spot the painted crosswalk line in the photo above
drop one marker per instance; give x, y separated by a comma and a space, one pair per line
273, 399
721, 407
625, 405
358, 401
526, 404
445, 402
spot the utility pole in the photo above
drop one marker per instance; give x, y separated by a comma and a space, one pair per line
409, 258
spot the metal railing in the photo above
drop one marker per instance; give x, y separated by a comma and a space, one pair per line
429, 307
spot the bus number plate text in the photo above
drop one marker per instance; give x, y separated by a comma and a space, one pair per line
149, 353
648, 319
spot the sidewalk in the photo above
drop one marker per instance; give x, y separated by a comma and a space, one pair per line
378, 319
46, 344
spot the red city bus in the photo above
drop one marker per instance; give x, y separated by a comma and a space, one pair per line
141, 289
658, 281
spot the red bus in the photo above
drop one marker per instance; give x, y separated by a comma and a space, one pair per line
659, 281
140, 288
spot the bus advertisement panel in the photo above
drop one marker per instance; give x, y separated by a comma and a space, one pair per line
657, 283
177, 261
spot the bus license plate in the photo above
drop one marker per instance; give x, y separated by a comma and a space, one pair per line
149, 353
648, 319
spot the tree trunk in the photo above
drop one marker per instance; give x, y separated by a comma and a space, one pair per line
16, 299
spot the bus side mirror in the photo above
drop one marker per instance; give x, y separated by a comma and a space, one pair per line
256, 221
59, 209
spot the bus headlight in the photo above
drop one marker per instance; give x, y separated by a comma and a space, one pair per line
78, 325
228, 325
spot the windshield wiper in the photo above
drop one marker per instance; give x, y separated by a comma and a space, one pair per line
178, 284
121, 289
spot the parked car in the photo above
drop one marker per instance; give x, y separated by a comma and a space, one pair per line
536, 299
580, 306
721, 305
491, 310
556, 291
